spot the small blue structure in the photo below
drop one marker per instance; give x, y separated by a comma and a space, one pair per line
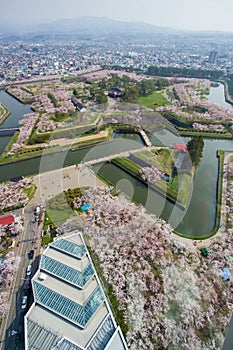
166, 177
85, 207
179, 161
225, 274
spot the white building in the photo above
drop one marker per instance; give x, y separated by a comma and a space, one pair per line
70, 309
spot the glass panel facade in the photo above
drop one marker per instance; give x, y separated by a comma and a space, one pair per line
69, 247
68, 308
103, 335
66, 345
65, 272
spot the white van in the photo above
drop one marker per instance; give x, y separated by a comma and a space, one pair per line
29, 270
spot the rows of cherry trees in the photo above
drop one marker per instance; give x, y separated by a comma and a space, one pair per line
188, 93
11, 230
106, 73
13, 193
36, 79
19, 93
151, 174
26, 126
8, 267
211, 127
171, 295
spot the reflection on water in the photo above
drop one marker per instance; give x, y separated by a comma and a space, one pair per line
200, 216
217, 96
17, 110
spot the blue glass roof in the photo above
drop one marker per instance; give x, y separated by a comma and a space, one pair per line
69, 247
65, 272
68, 308
103, 335
66, 345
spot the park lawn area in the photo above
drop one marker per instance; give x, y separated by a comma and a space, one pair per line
154, 100
57, 217
57, 211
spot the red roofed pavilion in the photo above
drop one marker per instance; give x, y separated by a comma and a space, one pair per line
7, 220
180, 147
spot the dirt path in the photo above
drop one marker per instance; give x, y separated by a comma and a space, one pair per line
69, 142
65, 142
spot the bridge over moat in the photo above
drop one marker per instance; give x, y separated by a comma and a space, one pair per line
122, 154
8, 131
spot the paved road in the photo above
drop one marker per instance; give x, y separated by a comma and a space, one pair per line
13, 327
48, 185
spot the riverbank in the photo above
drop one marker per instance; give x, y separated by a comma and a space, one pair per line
226, 92
56, 146
206, 134
23, 101
4, 113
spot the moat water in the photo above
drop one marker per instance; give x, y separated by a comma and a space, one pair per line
199, 217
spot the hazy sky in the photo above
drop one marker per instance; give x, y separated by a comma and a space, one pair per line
180, 14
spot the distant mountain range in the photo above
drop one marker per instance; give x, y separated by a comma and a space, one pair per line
99, 25
85, 25
94, 26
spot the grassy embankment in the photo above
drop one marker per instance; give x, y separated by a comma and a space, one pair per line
184, 127
27, 101
185, 182
176, 190
4, 113
39, 150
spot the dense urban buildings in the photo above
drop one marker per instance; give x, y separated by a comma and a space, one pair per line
25, 56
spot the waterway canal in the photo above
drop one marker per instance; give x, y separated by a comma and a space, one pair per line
17, 111
200, 216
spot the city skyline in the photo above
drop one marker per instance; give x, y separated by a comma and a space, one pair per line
177, 14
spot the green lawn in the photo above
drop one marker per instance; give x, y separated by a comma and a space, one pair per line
57, 211
162, 159
154, 100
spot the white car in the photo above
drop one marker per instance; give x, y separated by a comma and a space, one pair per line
24, 302
29, 270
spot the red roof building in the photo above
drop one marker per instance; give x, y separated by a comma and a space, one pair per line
7, 220
180, 147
